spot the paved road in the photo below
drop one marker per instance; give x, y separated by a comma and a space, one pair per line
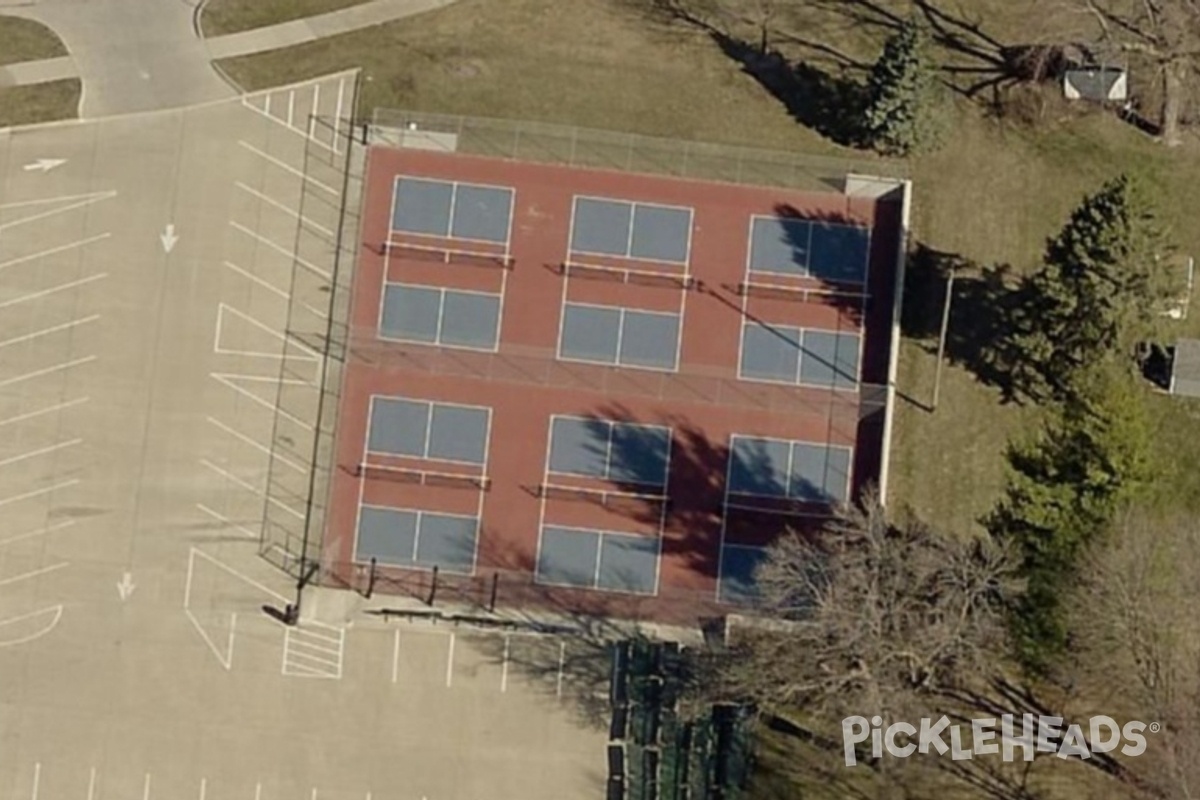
147, 266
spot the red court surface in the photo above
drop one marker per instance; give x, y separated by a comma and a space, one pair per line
528, 529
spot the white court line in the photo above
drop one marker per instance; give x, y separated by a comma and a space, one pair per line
37, 778
250, 488
243, 437
270, 287
290, 168
60, 249
396, 657
46, 200
41, 452
291, 213
221, 518
66, 523
53, 289
33, 573
224, 378
311, 355
562, 657
55, 610
450, 660
38, 492
47, 370
86, 201
41, 411
504, 668
55, 329
237, 226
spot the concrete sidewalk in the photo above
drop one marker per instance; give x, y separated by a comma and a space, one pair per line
161, 61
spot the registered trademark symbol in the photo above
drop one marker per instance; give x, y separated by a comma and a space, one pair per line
1155, 727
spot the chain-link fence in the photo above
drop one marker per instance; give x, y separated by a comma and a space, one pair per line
598, 149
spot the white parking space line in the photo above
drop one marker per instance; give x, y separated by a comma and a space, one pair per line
37, 779
92, 785
226, 520
38, 492
315, 312
73, 202
227, 379
270, 287
40, 452
48, 370
312, 115
258, 791
250, 488
54, 611
46, 331
58, 526
237, 226
48, 410
24, 576
291, 107
146, 788
450, 660
53, 289
62, 248
309, 353
562, 658
504, 666
296, 215
290, 168
396, 656
203, 787
261, 447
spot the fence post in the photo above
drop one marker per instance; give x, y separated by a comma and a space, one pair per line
432, 586
371, 578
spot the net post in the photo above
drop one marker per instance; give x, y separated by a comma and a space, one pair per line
371, 578
433, 582
495, 586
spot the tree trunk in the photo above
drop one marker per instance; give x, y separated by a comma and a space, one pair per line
1174, 87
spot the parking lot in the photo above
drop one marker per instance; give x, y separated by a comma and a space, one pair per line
159, 275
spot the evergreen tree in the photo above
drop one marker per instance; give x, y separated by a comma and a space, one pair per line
1096, 292
1064, 488
903, 113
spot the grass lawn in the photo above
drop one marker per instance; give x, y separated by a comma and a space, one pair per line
41, 102
992, 195
230, 16
26, 40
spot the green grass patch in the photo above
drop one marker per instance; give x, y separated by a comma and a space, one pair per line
230, 16
26, 40
41, 102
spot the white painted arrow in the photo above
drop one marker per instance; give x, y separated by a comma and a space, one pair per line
44, 164
168, 238
126, 587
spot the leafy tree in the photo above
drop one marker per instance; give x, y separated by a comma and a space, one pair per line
903, 114
1097, 291
1064, 488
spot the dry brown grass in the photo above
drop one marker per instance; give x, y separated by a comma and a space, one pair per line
26, 40
230, 16
41, 102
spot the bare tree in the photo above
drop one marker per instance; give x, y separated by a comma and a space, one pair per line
1163, 34
869, 614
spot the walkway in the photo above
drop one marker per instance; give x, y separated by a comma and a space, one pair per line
144, 55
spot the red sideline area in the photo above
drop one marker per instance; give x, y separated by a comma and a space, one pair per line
524, 384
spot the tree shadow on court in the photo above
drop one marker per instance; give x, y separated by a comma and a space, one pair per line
985, 315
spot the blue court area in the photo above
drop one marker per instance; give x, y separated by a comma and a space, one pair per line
452, 210
631, 230
791, 470
413, 538
622, 452
446, 317
809, 248
786, 354
739, 564
421, 429
620, 336
595, 559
